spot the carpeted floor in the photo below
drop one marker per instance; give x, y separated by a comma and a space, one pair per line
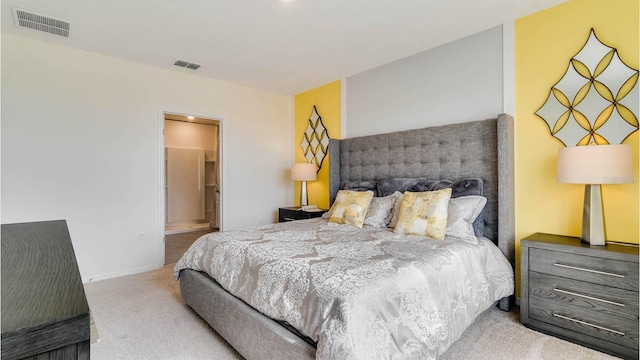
143, 316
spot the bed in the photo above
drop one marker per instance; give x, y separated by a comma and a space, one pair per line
301, 326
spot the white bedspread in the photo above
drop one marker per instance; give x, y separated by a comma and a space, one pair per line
359, 293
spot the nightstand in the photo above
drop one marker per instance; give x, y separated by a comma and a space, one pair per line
581, 293
294, 213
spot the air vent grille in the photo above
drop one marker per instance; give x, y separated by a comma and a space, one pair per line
186, 64
31, 20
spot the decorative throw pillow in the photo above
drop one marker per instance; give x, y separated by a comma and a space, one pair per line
381, 210
424, 213
463, 211
350, 207
396, 209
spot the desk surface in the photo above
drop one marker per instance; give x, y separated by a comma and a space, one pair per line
42, 290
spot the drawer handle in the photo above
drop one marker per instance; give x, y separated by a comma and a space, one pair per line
289, 219
588, 324
588, 297
588, 270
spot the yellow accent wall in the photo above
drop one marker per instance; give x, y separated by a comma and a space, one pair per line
326, 98
544, 43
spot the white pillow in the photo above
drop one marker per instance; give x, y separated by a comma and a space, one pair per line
381, 210
396, 209
463, 211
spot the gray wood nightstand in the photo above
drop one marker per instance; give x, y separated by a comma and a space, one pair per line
581, 293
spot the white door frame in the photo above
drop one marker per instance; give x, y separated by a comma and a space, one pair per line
161, 169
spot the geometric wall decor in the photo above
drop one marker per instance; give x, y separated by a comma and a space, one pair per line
315, 141
596, 100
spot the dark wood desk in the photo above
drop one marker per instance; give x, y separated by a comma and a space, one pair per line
44, 308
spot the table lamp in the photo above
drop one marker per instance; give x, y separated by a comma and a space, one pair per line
304, 172
594, 165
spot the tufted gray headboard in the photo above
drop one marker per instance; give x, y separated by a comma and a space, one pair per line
479, 149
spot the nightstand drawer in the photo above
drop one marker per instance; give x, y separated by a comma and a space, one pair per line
591, 269
587, 322
618, 303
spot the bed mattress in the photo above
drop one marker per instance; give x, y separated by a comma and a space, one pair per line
358, 293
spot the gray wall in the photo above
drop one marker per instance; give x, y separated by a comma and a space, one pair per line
456, 82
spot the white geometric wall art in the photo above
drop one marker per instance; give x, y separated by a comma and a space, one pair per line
315, 140
596, 100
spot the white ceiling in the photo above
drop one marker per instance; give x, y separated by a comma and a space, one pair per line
280, 46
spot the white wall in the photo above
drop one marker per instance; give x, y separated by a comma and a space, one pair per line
80, 141
456, 82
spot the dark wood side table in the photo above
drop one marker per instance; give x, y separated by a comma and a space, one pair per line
581, 293
294, 213
44, 309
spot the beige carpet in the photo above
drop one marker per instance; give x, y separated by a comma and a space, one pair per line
144, 317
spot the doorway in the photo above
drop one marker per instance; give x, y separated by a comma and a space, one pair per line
192, 174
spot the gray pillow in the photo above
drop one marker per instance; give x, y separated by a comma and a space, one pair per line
389, 186
362, 185
459, 188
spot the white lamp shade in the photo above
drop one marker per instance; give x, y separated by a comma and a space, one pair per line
595, 164
304, 172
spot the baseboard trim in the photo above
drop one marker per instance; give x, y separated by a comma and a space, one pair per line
117, 274
187, 230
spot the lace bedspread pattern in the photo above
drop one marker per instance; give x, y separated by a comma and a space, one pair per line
359, 293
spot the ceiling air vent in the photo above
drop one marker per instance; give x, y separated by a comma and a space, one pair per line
186, 64
31, 20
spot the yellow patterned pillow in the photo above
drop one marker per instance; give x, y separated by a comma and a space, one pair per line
424, 213
350, 207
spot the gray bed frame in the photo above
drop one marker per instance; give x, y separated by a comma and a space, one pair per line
478, 149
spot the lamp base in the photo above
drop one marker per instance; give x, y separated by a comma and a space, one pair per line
593, 231
303, 194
